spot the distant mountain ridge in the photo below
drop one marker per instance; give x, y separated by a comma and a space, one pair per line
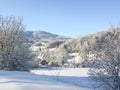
38, 35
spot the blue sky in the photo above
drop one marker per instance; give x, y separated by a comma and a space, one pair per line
65, 17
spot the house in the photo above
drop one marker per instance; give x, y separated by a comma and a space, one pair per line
43, 63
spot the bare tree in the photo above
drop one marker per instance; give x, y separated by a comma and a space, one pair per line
14, 53
107, 69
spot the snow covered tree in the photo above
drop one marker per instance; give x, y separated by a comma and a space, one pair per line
107, 69
14, 52
62, 55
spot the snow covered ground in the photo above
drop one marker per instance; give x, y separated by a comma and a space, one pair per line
46, 79
73, 76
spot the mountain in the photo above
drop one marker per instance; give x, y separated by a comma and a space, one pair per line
42, 36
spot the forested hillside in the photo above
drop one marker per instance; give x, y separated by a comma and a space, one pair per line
81, 51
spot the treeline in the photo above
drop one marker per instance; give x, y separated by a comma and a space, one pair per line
94, 44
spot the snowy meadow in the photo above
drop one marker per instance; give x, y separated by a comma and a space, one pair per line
47, 79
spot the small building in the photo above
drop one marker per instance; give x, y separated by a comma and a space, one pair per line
43, 62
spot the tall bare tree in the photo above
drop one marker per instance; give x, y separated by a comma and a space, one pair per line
14, 53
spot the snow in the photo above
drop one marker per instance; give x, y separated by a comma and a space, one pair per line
46, 79
34, 48
77, 72
72, 76
52, 49
74, 58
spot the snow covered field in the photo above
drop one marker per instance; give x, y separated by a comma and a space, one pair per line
46, 79
73, 76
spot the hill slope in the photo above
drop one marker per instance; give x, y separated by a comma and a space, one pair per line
37, 36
